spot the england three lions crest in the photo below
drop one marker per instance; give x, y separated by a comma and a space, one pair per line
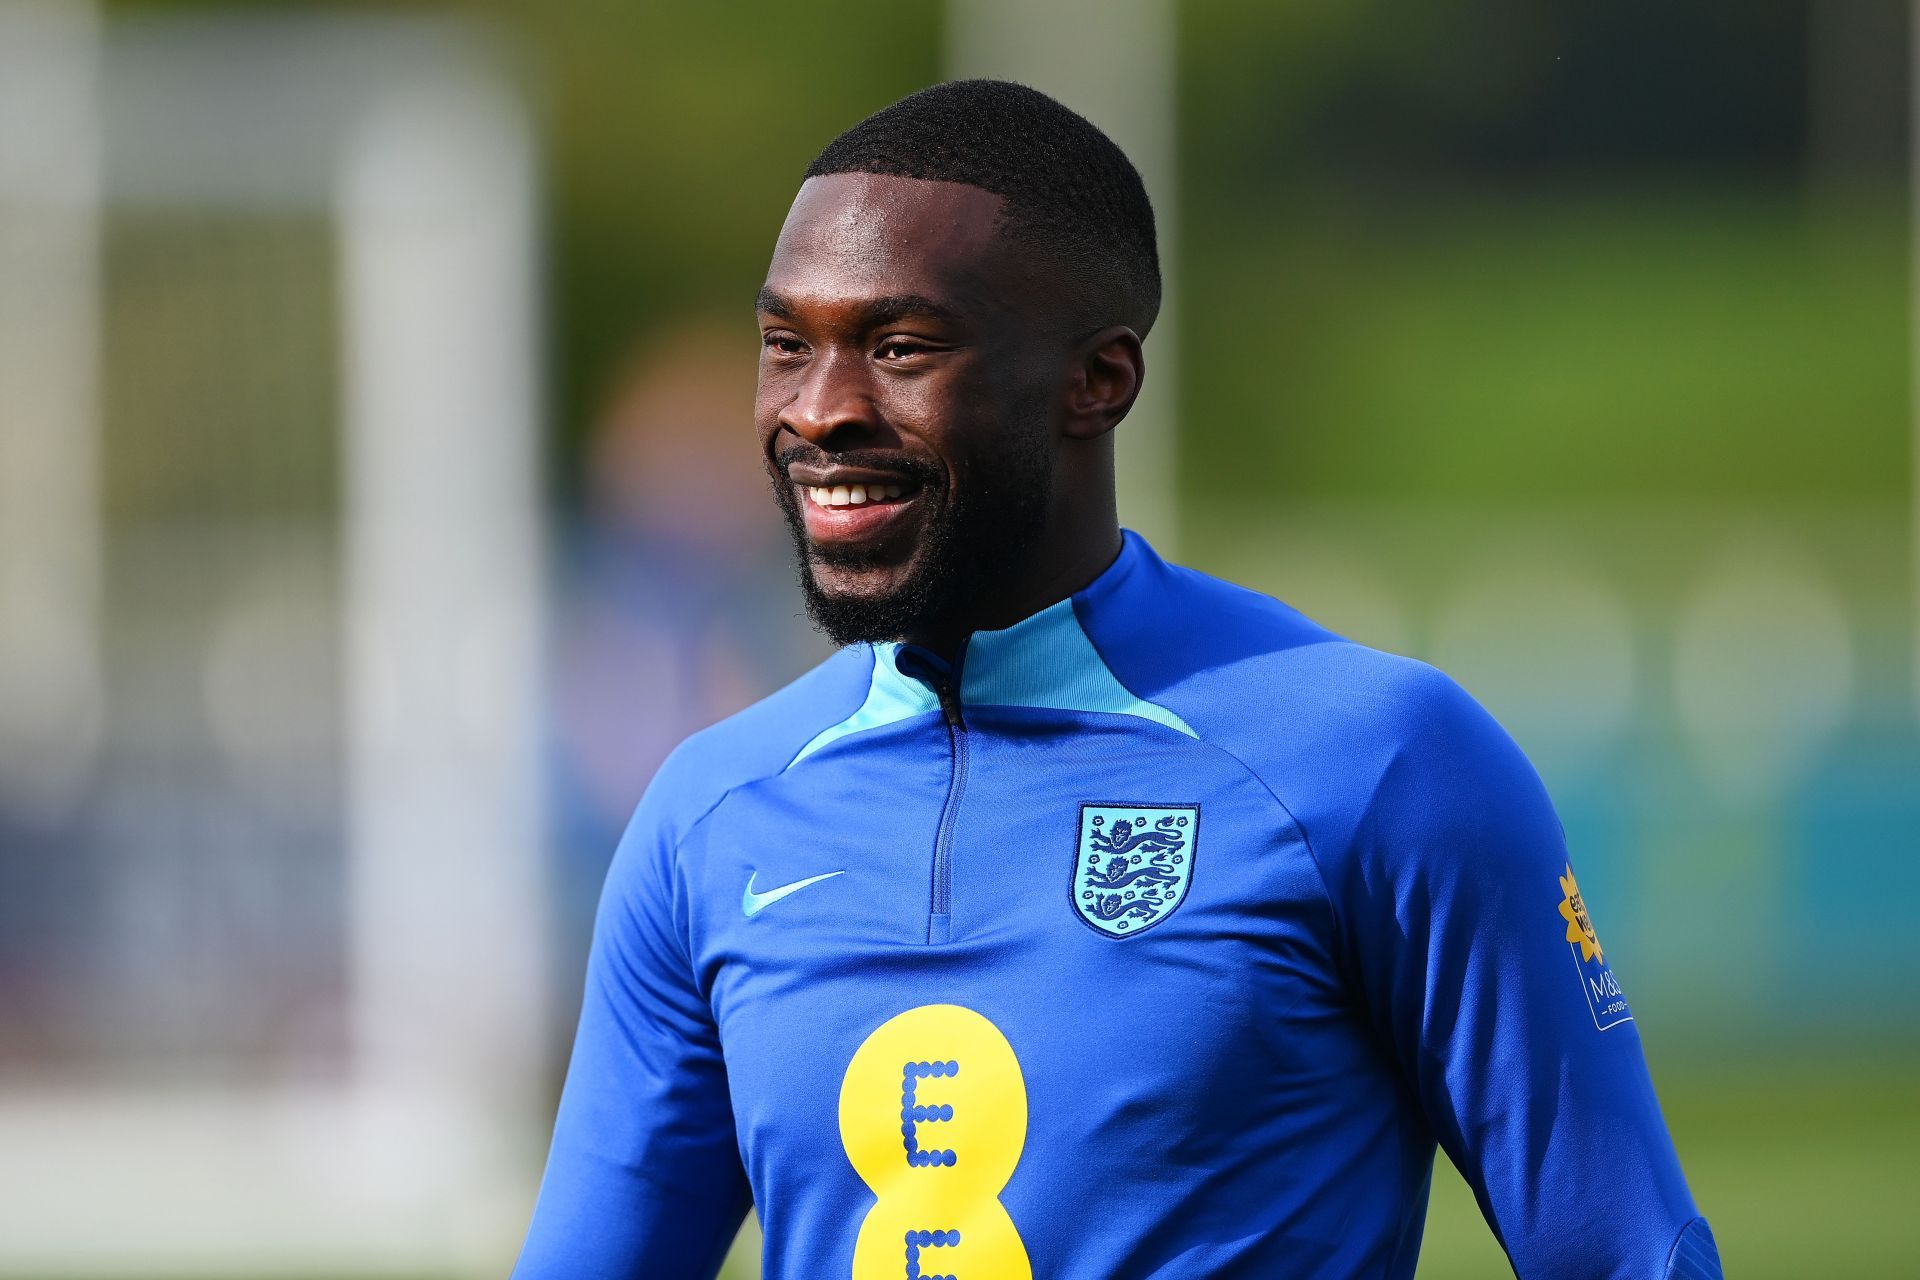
1133, 864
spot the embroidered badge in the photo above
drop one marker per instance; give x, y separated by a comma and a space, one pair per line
1133, 864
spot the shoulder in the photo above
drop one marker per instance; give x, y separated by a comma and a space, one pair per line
1345, 736
1244, 668
754, 743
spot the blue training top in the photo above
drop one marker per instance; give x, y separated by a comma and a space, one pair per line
1164, 934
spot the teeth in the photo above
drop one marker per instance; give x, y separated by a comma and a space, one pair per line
855, 495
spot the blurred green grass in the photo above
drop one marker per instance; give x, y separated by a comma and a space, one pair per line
1569, 346
1804, 1165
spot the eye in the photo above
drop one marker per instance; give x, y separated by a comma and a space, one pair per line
900, 349
782, 343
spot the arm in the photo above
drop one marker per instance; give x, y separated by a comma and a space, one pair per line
1513, 1033
644, 1176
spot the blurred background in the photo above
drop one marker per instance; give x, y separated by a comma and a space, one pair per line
378, 506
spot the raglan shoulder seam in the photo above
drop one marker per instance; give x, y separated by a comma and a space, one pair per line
675, 863
754, 779
1337, 924
1338, 937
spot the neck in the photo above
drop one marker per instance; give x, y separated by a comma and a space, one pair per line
1062, 566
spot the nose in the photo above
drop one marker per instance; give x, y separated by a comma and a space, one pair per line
834, 401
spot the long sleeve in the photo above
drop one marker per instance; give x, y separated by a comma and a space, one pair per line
644, 1176
1481, 967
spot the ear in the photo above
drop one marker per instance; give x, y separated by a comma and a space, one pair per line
1103, 382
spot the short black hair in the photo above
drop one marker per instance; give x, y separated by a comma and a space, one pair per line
1067, 189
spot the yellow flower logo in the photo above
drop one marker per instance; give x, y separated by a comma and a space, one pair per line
1579, 925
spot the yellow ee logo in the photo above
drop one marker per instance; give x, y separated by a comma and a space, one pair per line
933, 1114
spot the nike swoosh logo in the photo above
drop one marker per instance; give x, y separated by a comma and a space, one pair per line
754, 903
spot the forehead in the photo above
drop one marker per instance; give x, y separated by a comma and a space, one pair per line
860, 235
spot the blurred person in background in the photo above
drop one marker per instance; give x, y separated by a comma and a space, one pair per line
923, 956
675, 607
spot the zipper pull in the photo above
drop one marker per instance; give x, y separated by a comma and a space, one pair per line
950, 704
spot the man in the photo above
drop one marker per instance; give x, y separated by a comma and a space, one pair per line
1084, 916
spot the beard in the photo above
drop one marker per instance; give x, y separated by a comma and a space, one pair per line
969, 546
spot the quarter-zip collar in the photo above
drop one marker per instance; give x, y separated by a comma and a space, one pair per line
1046, 659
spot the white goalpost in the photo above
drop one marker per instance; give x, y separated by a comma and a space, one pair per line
1114, 62
414, 1150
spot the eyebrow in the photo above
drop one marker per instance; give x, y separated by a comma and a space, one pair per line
773, 304
871, 313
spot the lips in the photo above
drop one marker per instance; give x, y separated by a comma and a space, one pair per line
846, 507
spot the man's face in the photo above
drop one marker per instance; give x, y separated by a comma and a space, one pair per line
905, 403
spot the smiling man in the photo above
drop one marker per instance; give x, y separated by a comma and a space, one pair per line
1084, 917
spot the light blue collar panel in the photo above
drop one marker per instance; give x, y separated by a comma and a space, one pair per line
891, 697
1045, 660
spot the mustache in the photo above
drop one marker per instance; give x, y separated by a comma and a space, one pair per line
925, 474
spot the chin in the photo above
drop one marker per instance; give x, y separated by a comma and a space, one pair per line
869, 570
872, 604
838, 582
